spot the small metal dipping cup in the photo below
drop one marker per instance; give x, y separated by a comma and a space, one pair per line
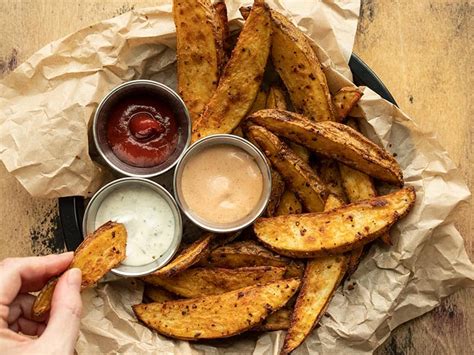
88, 223
224, 139
162, 93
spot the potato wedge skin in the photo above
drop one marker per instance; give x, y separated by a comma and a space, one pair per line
208, 317
321, 279
300, 70
249, 253
333, 140
222, 30
99, 253
199, 51
187, 257
241, 79
337, 231
328, 171
345, 100
198, 282
298, 176
289, 204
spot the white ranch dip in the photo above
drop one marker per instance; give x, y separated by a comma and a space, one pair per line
147, 217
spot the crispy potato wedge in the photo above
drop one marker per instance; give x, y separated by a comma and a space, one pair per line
199, 52
321, 279
238, 131
333, 140
249, 253
345, 100
241, 79
157, 294
222, 28
298, 176
279, 320
276, 98
278, 187
358, 185
208, 317
187, 257
259, 102
289, 204
328, 171
99, 253
300, 70
200, 282
337, 231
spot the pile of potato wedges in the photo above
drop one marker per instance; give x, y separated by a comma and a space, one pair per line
280, 274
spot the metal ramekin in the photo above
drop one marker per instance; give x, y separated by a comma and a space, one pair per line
88, 223
236, 141
162, 92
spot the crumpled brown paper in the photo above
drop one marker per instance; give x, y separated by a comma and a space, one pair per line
45, 108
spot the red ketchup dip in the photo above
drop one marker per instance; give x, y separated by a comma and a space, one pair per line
142, 131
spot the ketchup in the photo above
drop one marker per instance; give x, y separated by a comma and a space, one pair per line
142, 131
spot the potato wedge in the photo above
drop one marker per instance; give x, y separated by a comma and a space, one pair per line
259, 102
358, 185
328, 171
279, 320
187, 257
222, 28
276, 98
289, 204
345, 100
157, 294
337, 231
218, 316
321, 278
333, 140
278, 187
200, 282
99, 253
298, 176
241, 79
300, 70
249, 253
199, 51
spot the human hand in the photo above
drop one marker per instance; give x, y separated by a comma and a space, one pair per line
56, 334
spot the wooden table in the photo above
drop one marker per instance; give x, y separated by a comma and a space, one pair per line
420, 50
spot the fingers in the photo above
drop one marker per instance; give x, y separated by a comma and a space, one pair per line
21, 307
27, 327
29, 274
64, 318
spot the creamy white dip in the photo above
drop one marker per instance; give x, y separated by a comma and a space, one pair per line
147, 217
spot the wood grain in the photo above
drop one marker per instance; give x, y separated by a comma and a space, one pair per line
420, 50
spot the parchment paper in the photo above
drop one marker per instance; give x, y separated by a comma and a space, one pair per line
47, 103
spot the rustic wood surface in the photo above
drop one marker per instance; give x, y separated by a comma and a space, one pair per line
420, 49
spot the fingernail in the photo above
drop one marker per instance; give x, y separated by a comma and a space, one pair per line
74, 277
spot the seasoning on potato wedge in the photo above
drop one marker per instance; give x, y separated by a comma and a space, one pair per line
99, 253
299, 67
279, 320
241, 79
289, 204
333, 140
337, 231
208, 317
250, 253
199, 52
297, 175
203, 281
187, 257
278, 187
344, 101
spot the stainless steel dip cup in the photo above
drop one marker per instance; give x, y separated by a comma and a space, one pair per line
88, 223
163, 93
223, 139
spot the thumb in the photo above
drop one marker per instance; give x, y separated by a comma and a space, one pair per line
63, 326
